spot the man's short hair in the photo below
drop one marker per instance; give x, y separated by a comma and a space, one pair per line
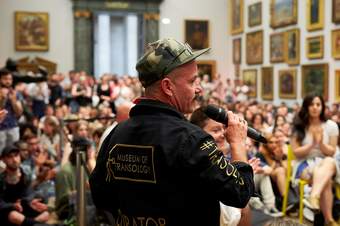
162, 57
4, 71
9, 149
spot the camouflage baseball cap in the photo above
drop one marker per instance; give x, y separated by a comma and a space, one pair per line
162, 57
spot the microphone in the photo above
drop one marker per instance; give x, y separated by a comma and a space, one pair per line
218, 114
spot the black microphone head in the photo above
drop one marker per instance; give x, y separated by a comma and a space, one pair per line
262, 139
216, 113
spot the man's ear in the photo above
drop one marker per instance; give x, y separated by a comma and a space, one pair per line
166, 86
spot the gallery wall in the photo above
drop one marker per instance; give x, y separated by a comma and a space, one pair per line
216, 13
327, 58
61, 49
60, 31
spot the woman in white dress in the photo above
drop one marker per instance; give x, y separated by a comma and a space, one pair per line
314, 144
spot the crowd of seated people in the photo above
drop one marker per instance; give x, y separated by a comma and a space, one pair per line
39, 121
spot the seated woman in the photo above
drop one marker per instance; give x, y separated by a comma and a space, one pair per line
314, 144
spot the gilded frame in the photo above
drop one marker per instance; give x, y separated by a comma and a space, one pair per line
31, 31
315, 47
197, 33
255, 14
237, 50
277, 47
254, 47
337, 85
236, 14
267, 83
336, 11
287, 83
279, 16
315, 14
292, 46
207, 67
249, 78
315, 80
336, 44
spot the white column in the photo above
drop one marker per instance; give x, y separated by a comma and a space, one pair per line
117, 45
103, 50
131, 46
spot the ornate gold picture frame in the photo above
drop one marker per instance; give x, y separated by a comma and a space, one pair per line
315, 14
206, 67
336, 11
197, 33
287, 83
31, 31
250, 79
277, 47
314, 47
236, 13
283, 13
292, 46
254, 47
255, 14
315, 80
336, 44
267, 83
237, 50
337, 85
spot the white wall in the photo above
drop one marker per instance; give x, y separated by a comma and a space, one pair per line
60, 31
216, 12
326, 32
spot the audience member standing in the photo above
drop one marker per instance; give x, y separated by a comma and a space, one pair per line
9, 130
177, 175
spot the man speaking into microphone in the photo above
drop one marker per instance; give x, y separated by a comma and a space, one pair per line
156, 168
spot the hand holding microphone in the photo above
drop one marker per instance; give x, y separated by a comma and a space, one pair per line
218, 114
236, 129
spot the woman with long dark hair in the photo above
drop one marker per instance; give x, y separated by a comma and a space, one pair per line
314, 144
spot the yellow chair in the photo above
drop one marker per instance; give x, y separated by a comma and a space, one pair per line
337, 191
302, 183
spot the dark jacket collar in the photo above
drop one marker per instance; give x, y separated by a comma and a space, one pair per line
150, 106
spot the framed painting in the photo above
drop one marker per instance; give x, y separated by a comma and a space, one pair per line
336, 44
336, 11
206, 67
255, 14
31, 31
249, 79
267, 83
314, 47
237, 69
292, 48
237, 43
315, 80
283, 13
197, 33
287, 84
337, 85
315, 14
254, 47
277, 47
236, 13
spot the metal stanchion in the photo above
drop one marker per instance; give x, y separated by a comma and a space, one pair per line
81, 200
